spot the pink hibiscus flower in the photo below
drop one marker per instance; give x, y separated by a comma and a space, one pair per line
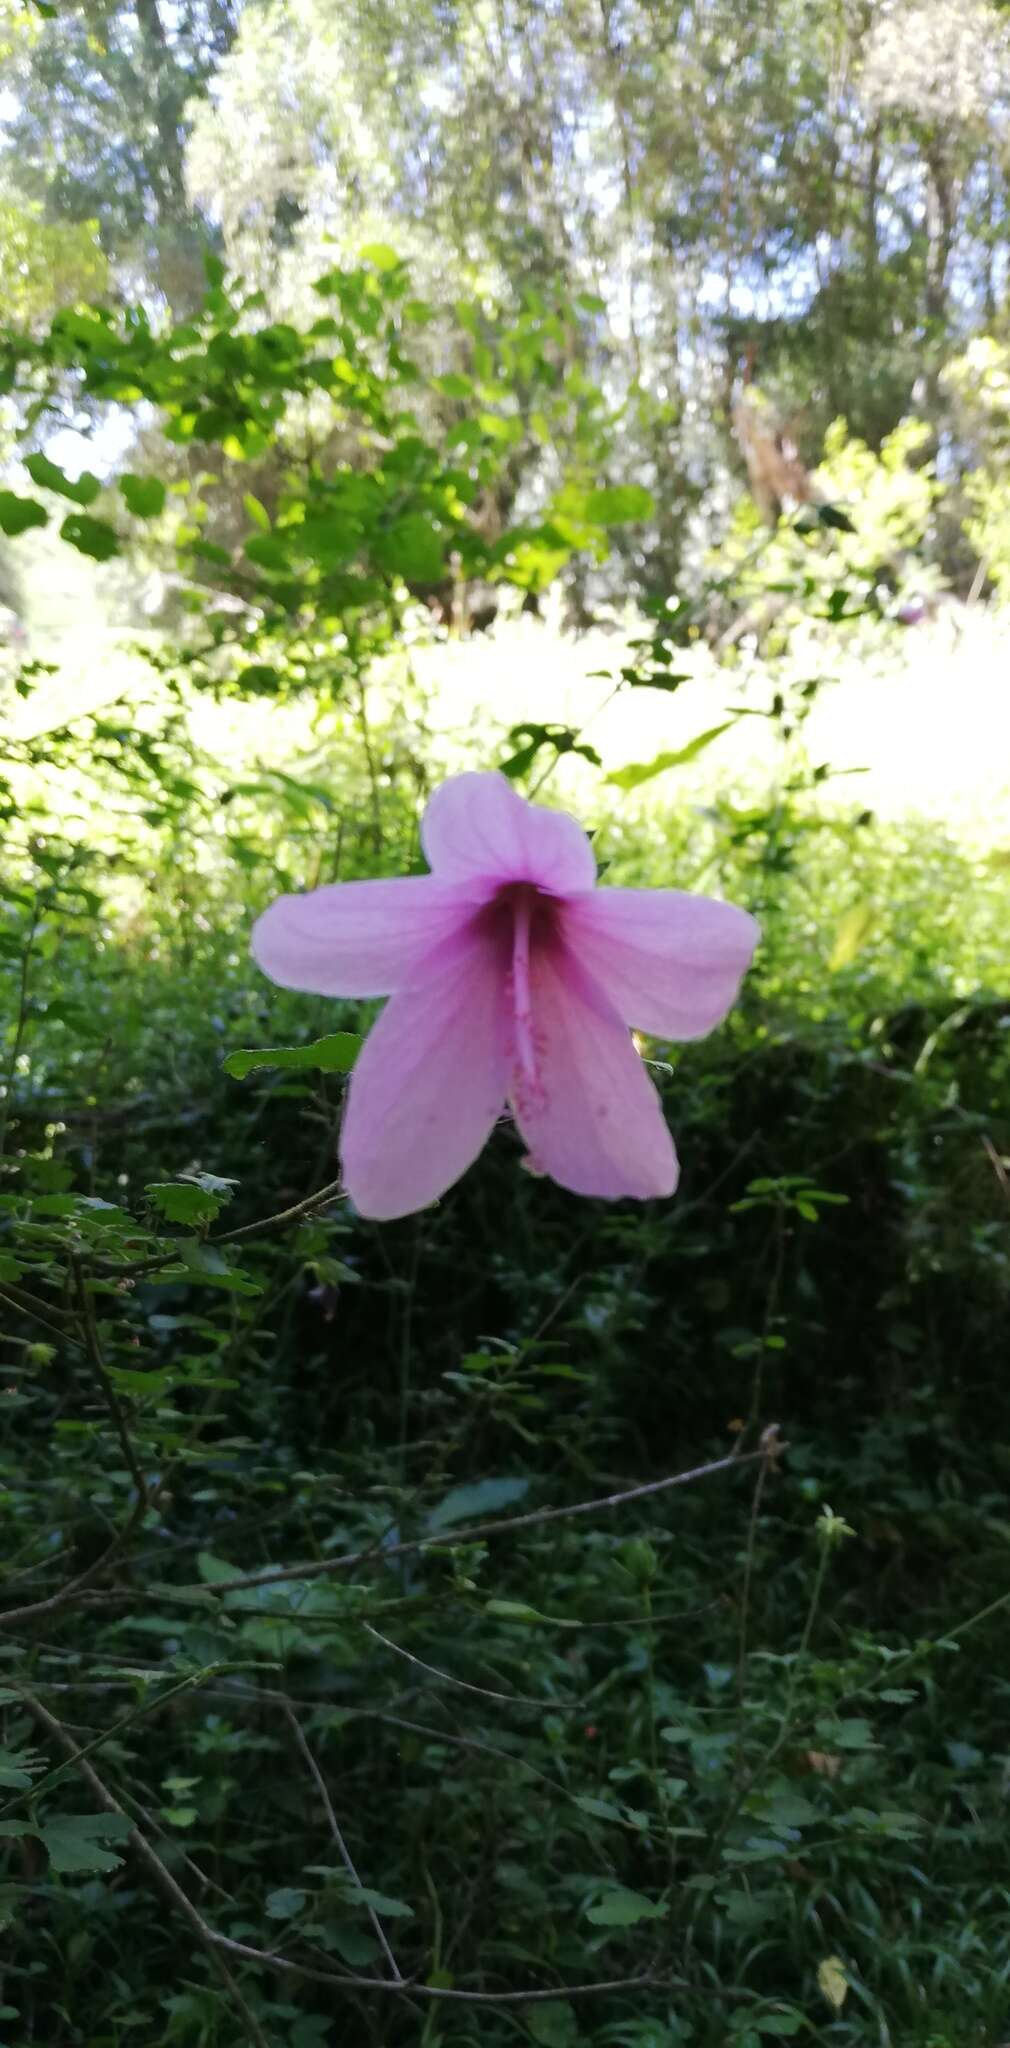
513, 980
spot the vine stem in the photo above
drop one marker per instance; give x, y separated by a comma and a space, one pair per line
334, 1826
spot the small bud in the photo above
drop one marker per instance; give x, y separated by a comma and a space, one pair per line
830, 1529
639, 1560
39, 1355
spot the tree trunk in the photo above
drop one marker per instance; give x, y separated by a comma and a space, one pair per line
166, 105
941, 220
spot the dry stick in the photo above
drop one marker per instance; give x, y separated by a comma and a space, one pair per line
505, 1525
221, 1945
161, 1876
334, 1826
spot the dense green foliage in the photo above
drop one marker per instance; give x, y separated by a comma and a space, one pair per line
536, 1620
718, 1736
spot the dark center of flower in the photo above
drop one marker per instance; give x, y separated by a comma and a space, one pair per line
522, 919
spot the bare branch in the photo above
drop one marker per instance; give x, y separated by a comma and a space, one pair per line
506, 1525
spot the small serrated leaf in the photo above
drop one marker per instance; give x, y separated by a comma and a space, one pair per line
182, 1202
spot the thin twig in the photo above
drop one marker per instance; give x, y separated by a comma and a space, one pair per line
508, 1699
505, 1525
334, 1827
112, 1401
770, 1446
332, 1189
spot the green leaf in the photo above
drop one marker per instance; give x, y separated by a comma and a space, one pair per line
638, 772
853, 931
853, 1734
411, 548
483, 1497
209, 1265
12, 1773
181, 1202
257, 513
563, 738
380, 256
600, 1809
94, 537
782, 2024
625, 1909
333, 1055
260, 678
18, 514
387, 1908
553, 2024
786, 1809
285, 1903
352, 1944
619, 503
268, 551
83, 490
512, 1610
145, 495
73, 1841
452, 385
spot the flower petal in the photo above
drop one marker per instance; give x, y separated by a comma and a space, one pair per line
670, 963
356, 938
477, 827
594, 1123
428, 1084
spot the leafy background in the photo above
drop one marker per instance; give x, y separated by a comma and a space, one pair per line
534, 1620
